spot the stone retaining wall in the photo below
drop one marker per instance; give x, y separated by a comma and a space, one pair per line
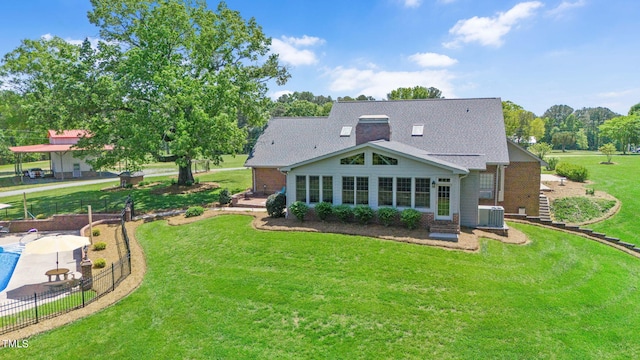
575, 229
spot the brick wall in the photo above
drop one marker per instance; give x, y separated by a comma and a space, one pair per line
522, 188
56, 222
366, 132
272, 178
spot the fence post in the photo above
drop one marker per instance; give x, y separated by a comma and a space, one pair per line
113, 277
35, 304
87, 276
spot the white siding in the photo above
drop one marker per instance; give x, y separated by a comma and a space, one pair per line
65, 164
406, 168
469, 203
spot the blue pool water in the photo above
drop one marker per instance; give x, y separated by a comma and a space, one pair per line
9, 255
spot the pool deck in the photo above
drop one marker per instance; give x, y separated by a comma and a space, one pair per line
29, 275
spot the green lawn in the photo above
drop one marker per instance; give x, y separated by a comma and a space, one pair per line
622, 181
76, 199
218, 288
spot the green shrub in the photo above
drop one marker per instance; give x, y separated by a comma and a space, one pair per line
323, 210
196, 181
194, 211
551, 163
363, 214
591, 192
129, 186
410, 218
276, 204
99, 263
343, 212
99, 246
41, 216
572, 172
95, 232
387, 216
299, 209
224, 198
143, 183
188, 183
174, 181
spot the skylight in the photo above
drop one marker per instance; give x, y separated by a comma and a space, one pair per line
417, 130
346, 131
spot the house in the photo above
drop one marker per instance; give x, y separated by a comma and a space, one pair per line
447, 158
63, 156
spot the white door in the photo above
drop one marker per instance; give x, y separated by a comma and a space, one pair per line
443, 202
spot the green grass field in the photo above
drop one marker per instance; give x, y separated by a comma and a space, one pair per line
218, 288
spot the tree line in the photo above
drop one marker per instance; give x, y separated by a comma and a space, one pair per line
177, 77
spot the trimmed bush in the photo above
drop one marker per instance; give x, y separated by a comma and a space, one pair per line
363, 214
552, 163
95, 232
410, 218
99, 246
41, 216
387, 216
194, 211
572, 172
343, 212
276, 204
224, 198
299, 209
323, 210
99, 263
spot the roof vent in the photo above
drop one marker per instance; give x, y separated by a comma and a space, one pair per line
374, 119
346, 131
417, 130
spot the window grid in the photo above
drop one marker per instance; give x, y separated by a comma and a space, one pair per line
301, 188
348, 189
422, 193
378, 159
385, 191
403, 192
314, 189
362, 190
357, 159
327, 189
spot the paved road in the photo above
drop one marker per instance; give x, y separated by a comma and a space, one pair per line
62, 185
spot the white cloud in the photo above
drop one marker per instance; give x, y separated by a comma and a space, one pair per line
411, 3
303, 41
288, 49
564, 7
489, 31
276, 95
376, 83
432, 60
94, 41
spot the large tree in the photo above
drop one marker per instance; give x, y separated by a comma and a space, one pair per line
416, 92
624, 129
166, 71
592, 118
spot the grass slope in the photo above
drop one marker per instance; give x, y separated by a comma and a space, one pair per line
218, 288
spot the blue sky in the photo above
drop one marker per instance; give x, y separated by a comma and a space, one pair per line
582, 53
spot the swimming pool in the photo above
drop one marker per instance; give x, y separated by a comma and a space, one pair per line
9, 256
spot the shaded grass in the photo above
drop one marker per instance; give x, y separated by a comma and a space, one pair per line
76, 199
217, 288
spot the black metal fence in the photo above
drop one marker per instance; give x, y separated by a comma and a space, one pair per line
74, 294
105, 205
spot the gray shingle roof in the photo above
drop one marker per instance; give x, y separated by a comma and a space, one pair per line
465, 132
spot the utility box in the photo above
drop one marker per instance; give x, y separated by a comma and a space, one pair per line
491, 216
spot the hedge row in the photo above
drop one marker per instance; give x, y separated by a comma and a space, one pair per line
362, 214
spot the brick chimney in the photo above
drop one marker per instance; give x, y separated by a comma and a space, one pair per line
371, 128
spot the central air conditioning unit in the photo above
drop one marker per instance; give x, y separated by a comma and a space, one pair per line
491, 216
